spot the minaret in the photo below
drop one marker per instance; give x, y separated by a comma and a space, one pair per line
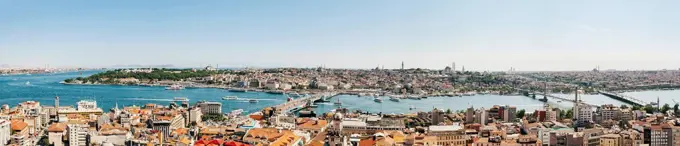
575, 110
56, 107
453, 66
402, 65
463, 70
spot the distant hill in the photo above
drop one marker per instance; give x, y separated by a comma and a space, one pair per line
144, 66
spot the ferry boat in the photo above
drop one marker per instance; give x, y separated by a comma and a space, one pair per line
394, 99
238, 90
253, 101
275, 92
175, 87
378, 100
230, 98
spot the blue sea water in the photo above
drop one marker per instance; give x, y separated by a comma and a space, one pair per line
44, 87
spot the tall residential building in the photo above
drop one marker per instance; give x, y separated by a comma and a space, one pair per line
163, 127
210, 107
661, 135
509, 114
550, 115
437, 116
584, 114
470, 115
676, 135
610, 112
195, 115
5, 132
77, 135
177, 122
481, 116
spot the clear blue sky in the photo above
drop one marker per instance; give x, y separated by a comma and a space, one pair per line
479, 34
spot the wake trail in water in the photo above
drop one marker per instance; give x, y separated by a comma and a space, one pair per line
246, 99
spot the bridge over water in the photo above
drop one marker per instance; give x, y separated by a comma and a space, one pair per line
624, 98
557, 97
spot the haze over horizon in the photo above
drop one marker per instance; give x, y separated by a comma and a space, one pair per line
529, 35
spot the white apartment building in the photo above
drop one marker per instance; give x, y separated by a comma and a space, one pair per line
584, 114
77, 135
210, 107
5, 132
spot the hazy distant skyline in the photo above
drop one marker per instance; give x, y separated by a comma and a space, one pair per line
480, 35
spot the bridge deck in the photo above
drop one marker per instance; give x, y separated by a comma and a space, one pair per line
624, 98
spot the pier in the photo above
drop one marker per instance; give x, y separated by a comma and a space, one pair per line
624, 98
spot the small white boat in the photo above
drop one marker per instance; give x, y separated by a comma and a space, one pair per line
229, 98
253, 101
394, 99
175, 87
28, 83
378, 100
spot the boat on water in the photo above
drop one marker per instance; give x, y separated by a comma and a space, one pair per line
395, 99
423, 97
378, 100
294, 94
180, 99
274, 92
253, 101
412, 107
28, 83
175, 87
337, 102
559, 101
230, 98
238, 90
414, 97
